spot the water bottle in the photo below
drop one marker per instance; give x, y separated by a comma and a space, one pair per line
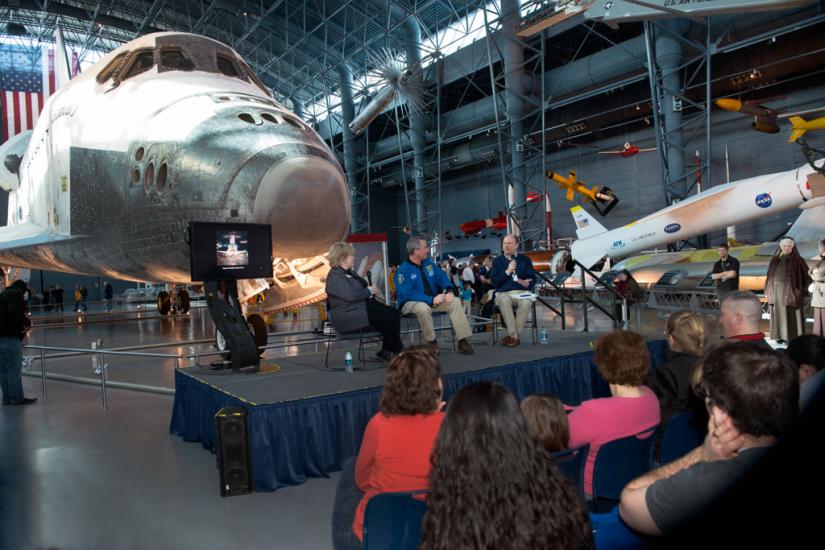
348, 361
543, 337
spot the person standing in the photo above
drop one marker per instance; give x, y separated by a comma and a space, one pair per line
109, 294
58, 298
78, 298
84, 294
817, 290
14, 323
512, 275
725, 271
785, 288
47, 294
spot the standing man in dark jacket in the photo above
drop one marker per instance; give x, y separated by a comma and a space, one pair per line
725, 271
512, 275
14, 322
109, 294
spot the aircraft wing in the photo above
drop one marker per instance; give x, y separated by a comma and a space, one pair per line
809, 226
27, 234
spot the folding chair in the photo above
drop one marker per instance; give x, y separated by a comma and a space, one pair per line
571, 463
680, 437
442, 315
393, 520
535, 327
617, 463
363, 336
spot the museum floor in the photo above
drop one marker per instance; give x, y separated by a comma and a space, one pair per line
76, 476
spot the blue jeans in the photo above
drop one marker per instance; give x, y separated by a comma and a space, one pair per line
347, 497
11, 359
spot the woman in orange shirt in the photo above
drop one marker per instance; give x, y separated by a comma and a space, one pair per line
398, 440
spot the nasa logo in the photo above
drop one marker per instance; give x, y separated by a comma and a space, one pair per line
617, 244
764, 200
672, 228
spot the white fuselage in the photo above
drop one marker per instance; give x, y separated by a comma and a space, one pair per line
712, 210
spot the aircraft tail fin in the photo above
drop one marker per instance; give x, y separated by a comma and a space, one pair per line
586, 225
62, 69
798, 123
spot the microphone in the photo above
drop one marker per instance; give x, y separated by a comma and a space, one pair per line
513, 274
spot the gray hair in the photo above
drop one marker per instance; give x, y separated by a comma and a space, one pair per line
338, 253
413, 243
745, 303
787, 240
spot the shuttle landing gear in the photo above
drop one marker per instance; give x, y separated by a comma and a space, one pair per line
176, 302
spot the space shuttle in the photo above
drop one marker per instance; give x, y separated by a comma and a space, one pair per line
167, 129
714, 209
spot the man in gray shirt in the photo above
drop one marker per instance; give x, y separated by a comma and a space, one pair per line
752, 395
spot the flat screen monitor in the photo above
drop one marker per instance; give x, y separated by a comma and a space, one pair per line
230, 251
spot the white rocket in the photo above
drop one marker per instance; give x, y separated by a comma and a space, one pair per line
718, 207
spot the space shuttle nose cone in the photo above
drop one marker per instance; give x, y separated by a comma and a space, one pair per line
306, 200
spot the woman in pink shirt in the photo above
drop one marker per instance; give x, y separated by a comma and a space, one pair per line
623, 360
398, 440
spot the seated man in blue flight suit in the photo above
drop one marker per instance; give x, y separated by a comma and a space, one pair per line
422, 287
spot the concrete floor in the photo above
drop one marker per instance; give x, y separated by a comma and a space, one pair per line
76, 476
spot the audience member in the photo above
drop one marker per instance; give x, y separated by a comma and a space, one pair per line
547, 421
398, 441
491, 485
627, 287
623, 360
752, 398
785, 286
817, 290
808, 353
740, 317
351, 303
14, 324
512, 276
467, 297
671, 382
423, 288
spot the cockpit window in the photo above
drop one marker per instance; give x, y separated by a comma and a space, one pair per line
254, 78
175, 60
226, 66
112, 68
141, 62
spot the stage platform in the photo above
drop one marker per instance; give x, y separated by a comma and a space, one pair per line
306, 420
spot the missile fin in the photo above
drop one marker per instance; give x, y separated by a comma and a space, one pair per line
798, 123
586, 225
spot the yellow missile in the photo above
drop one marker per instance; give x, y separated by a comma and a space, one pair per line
800, 126
729, 104
574, 186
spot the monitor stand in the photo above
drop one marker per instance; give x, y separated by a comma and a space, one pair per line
225, 309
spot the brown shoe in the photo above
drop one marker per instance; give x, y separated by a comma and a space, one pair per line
434, 346
509, 342
465, 347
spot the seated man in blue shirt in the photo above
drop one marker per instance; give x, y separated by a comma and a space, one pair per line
423, 287
512, 275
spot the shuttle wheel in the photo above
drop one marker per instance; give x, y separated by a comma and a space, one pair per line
222, 344
257, 326
183, 302
164, 303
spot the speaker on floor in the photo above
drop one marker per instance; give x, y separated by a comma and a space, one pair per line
233, 451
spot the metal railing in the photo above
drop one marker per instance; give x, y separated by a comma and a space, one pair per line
99, 358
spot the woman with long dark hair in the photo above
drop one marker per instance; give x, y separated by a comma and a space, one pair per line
398, 440
785, 288
492, 487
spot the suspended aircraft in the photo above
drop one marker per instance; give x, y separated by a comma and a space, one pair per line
628, 150
766, 119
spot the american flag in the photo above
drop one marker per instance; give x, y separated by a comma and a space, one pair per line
26, 82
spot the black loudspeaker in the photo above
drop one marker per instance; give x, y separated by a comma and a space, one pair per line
233, 451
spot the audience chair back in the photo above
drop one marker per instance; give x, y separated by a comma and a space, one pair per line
393, 520
617, 463
681, 436
571, 463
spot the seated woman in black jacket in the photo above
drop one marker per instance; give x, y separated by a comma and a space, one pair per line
351, 303
671, 382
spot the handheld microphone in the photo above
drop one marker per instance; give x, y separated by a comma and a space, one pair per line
513, 274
